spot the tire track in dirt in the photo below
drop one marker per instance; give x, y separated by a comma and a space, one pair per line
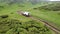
52, 27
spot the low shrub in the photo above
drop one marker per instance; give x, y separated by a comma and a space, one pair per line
4, 16
13, 26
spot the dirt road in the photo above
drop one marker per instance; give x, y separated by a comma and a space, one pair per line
52, 27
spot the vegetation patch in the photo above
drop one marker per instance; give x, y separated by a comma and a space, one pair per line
51, 7
1, 7
13, 26
59, 13
4, 16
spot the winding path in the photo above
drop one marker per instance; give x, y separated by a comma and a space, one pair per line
52, 27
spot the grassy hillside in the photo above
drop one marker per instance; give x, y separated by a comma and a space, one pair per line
13, 23
51, 7
50, 13
15, 26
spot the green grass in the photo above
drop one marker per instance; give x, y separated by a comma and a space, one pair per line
11, 11
15, 26
51, 16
